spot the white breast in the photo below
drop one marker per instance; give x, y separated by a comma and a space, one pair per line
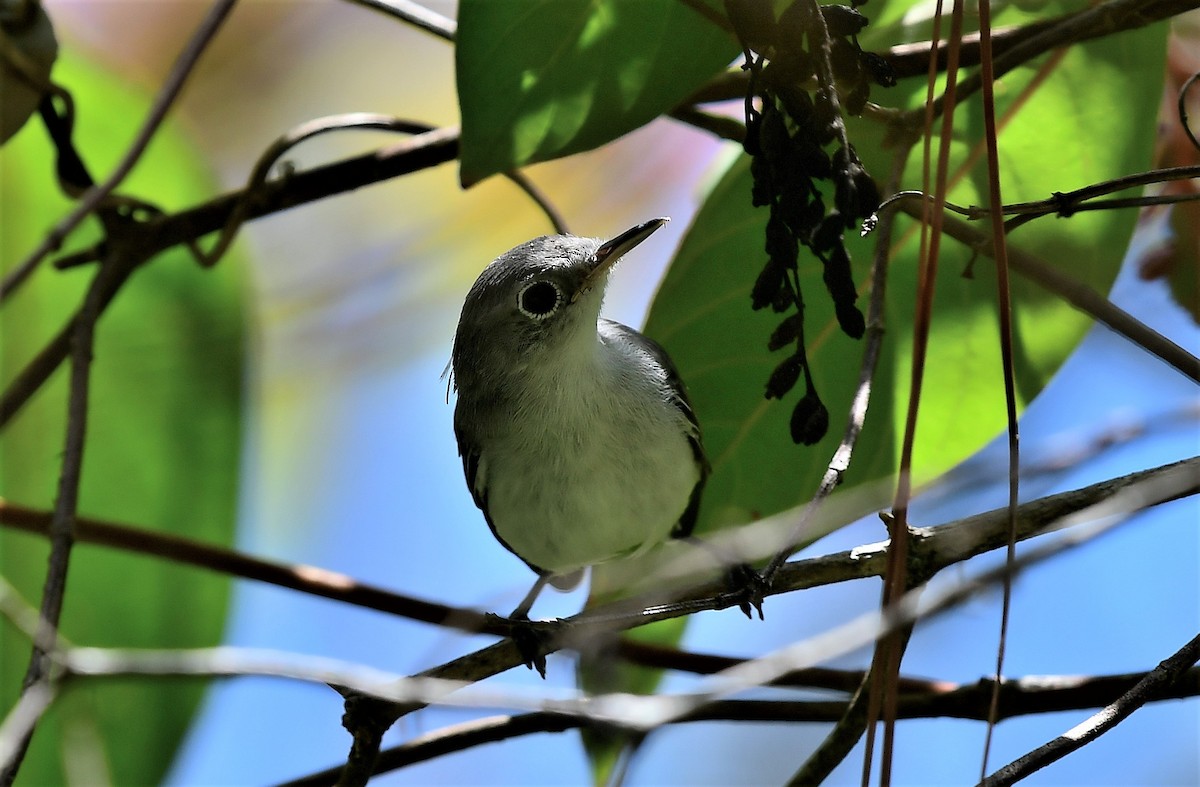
601, 466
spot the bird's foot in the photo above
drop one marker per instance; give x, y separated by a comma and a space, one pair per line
532, 638
747, 583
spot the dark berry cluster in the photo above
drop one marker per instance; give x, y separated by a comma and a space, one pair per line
801, 66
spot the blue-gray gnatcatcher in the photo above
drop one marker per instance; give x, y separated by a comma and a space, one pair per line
577, 438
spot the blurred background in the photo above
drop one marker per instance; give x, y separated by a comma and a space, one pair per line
350, 461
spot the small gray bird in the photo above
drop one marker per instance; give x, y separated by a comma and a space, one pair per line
577, 438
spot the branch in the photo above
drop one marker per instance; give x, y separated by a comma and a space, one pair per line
1020, 697
936, 547
1104, 19
1015, 44
62, 523
416, 15
303, 578
1164, 677
443, 686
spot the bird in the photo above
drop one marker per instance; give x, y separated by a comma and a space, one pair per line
578, 439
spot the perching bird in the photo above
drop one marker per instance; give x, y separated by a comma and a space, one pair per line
577, 438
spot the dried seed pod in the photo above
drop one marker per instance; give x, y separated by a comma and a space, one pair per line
842, 20
763, 190
784, 378
794, 23
786, 333
868, 193
856, 100
768, 285
828, 233
781, 245
850, 319
843, 57
810, 419
879, 68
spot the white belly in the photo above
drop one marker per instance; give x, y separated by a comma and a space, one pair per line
594, 473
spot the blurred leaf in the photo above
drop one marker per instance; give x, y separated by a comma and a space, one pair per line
162, 446
541, 79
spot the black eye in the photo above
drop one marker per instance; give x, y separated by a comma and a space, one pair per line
539, 300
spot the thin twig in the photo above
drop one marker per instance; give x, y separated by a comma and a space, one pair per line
912, 60
1007, 366
1021, 697
522, 181
836, 746
721, 126
933, 547
62, 524
163, 102
889, 651
416, 15
1162, 677
294, 576
277, 149
639, 714
1066, 203
1096, 21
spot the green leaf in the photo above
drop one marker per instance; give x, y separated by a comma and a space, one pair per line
1060, 131
542, 79
162, 448
1061, 135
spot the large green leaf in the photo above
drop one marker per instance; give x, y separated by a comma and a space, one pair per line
541, 79
1061, 130
162, 444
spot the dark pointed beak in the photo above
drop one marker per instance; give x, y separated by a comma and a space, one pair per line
610, 251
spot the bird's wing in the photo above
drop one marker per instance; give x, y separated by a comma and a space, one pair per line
679, 398
472, 459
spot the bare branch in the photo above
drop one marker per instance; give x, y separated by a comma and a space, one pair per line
1164, 676
1019, 697
416, 15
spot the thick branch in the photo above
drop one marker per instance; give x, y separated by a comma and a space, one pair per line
936, 547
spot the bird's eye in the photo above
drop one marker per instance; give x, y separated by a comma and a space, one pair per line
539, 299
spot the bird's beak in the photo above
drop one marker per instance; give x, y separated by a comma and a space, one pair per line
609, 252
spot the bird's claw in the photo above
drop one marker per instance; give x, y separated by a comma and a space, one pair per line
750, 585
531, 638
